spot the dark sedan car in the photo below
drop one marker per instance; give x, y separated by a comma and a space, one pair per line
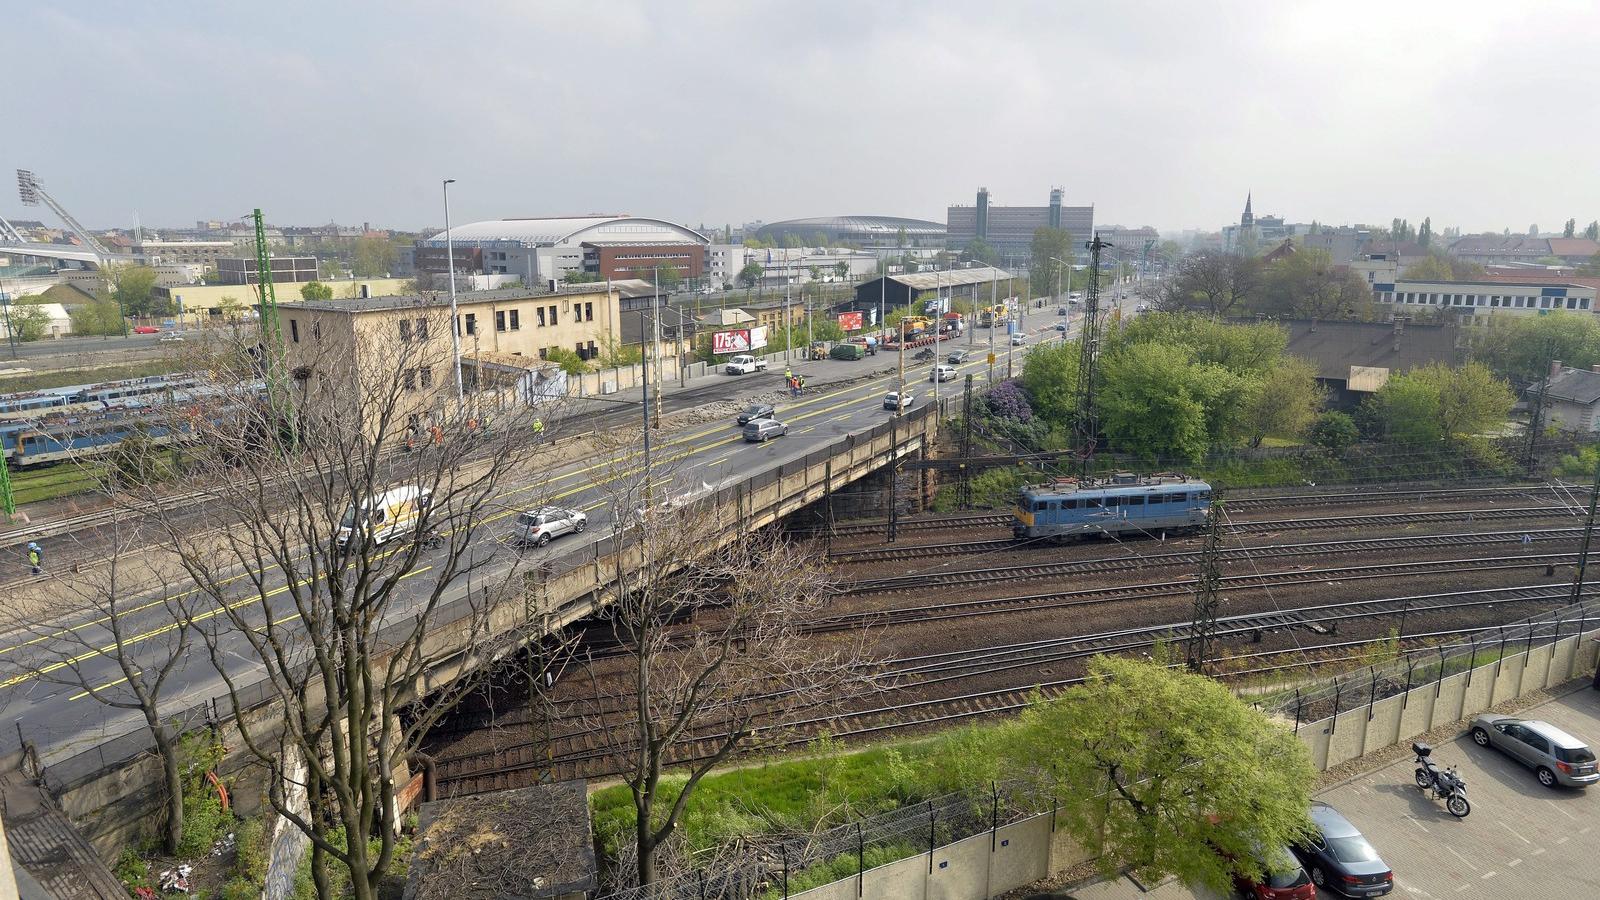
756, 411
1340, 859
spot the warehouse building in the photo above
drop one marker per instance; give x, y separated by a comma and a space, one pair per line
978, 283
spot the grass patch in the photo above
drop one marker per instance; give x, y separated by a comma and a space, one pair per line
50, 482
38, 381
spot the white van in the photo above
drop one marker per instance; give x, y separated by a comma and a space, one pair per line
385, 517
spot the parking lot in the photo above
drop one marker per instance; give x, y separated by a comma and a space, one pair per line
1521, 840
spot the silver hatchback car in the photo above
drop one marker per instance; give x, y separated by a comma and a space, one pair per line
1555, 756
761, 430
539, 526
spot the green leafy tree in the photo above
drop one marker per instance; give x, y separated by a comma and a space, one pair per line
1438, 267
1050, 379
1425, 233
1166, 773
1152, 402
1522, 349
1334, 430
316, 290
569, 361
1283, 401
980, 250
841, 270
1570, 229
372, 256
29, 320
1592, 230
576, 277
133, 287
815, 272
1308, 285
750, 275
1049, 245
1437, 403
99, 316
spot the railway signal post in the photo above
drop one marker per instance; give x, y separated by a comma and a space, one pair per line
1208, 584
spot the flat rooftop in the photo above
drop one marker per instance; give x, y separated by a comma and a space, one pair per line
436, 299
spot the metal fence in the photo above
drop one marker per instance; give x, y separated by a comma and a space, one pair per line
1417, 666
777, 864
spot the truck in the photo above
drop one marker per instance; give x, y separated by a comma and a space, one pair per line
847, 351
744, 364
915, 326
993, 316
817, 350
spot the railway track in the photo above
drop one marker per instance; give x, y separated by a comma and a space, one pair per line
955, 548
974, 520
922, 580
585, 755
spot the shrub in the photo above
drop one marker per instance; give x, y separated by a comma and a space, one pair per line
1009, 401
240, 888
133, 870
1334, 431
250, 861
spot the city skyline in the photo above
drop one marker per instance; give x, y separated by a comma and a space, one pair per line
716, 113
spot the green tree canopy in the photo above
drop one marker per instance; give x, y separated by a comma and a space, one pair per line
1166, 772
28, 320
99, 316
1570, 229
980, 250
316, 290
1522, 348
1592, 230
372, 256
133, 287
1050, 379
1439, 267
1283, 401
1307, 285
1437, 403
750, 275
1049, 246
1334, 430
1153, 401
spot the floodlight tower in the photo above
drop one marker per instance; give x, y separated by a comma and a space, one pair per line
32, 193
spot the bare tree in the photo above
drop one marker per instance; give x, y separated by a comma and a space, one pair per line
117, 631
357, 579
1221, 284
697, 695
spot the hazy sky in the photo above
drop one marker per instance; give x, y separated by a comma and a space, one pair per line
1478, 114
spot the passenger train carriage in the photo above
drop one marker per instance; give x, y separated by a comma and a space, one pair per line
1120, 505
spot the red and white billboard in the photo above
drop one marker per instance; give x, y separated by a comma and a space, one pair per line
736, 341
850, 321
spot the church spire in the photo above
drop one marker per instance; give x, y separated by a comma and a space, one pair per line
1249, 218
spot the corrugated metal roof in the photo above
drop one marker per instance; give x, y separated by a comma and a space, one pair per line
927, 281
545, 232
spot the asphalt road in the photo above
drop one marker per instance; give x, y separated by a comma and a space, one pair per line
61, 718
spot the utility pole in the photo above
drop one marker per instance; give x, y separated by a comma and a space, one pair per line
644, 409
1085, 424
938, 325
788, 326
655, 327
455, 324
1536, 416
272, 329
1588, 533
1207, 599
964, 489
900, 392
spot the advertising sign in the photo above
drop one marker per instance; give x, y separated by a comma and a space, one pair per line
758, 337
850, 321
736, 341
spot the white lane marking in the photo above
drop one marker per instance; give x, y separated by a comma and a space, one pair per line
1515, 862
1513, 831
1563, 839
1488, 875
1466, 862
1413, 820
1537, 851
1558, 808
1462, 888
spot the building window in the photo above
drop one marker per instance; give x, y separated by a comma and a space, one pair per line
499, 320
472, 323
409, 380
422, 329
541, 317
582, 353
553, 319
294, 331
405, 331
588, 312
425, 375
515, 323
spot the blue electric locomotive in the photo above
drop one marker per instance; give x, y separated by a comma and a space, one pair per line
1120, 505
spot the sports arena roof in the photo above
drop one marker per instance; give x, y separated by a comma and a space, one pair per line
571, 231
886, 226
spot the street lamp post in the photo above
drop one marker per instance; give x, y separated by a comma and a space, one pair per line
455, 325
655, 328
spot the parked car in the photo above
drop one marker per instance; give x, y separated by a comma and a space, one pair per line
957, 358
1061, 310
146, 329
1339, 859
1555, 756
756, 411
540, 526
762, 430
893, 400
1284, 879
744, 364
942, 374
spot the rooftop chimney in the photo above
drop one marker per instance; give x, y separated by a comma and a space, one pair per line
1555, 367
1595, 367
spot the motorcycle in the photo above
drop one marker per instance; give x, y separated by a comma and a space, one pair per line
1446, 784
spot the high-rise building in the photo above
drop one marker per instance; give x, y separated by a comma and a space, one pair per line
1009, 229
